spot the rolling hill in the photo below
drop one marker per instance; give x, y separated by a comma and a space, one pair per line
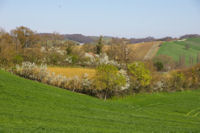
178, 48
28, 106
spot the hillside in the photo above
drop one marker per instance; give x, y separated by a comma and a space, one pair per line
28, 106
178, 48
145, 50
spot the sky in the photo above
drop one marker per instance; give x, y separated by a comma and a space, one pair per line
119, 18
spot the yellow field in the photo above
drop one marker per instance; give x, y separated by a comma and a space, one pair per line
71, 72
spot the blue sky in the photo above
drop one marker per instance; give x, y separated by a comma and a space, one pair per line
122, 18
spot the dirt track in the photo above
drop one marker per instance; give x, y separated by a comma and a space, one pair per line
152, 51
145, 51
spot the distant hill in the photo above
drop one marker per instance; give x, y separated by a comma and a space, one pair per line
189, 36
167, 39
85, 39
90, 39
139, 40
79, 38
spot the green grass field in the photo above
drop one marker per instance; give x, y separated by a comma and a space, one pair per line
177, 48
28, 106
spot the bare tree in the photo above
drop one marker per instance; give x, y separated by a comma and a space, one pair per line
181, 62
191, 60
198, 58
25, 36
120, 51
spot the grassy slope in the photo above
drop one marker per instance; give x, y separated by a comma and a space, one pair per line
176, 48
28, 106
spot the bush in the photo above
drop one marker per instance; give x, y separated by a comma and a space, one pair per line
109, 79
75, 59
139, 75
54, 58
159, 82
193, 76
159, 66
177, 81
167, 61
18, 59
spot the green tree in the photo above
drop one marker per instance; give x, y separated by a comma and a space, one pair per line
109, 79
99, 45
139, 75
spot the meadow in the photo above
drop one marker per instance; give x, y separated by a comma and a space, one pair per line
29, 106
175, 49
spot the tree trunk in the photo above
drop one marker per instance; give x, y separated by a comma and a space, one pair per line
105, 95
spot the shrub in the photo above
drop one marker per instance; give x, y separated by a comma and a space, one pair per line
167, 61
32, 71
139, 75
55, 58
109, 79
18, 59
74, 59
158, 82
193, 76
159, 66
177, 80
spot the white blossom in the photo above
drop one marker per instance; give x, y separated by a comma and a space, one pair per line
127, 85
